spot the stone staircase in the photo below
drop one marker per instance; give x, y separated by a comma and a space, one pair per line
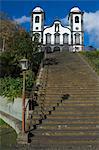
68, 113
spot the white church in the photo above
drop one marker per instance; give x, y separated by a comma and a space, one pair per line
57, 36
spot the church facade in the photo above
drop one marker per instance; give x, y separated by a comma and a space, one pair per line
57, 36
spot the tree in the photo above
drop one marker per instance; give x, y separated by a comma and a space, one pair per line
17, 46
9, 65
7, 30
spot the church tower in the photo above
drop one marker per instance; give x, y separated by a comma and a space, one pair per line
77, 32
37, 24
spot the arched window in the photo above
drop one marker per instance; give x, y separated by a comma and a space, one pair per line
65, 38
76, 19
36, 37
37, 19
48, 38
56, 27
77, 38
57, 38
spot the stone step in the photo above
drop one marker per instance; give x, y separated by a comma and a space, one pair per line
87, 96
55, 96
67, 86
70, 81
84, 98
68, 130
53, 81
75, 104
78, 113
73, 122
70, 108
73, 116
69, 127
81, 107
67, 101
74, 92
66, 146
66, 133
67, 140
88, 86
69, 120
68, 113
64, 92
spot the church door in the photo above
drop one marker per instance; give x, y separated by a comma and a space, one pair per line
48, 38
65, 38
57, 38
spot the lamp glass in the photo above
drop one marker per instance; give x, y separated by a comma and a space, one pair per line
24, 64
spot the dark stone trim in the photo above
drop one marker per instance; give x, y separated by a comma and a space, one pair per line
37, 12
56, 33
76, 12
78, 31
37, 31
56, 44
77, 44
65, 34
48, 33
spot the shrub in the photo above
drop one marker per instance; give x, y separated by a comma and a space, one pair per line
12, 87
30, 78
93, 58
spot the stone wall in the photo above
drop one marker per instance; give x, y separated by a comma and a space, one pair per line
12, 108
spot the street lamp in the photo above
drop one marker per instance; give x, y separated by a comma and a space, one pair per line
24, 66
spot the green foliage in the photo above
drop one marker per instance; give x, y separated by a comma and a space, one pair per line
2, 122
30, 78
93, 58
18, 45
37, 57
22, 46
10, 87
9, 65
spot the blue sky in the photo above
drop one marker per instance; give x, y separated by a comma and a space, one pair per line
21, 10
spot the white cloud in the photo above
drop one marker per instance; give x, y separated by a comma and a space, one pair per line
65, 20
91, 26
21, 20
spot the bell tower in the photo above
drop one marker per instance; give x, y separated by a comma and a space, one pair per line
77, 31
37, 24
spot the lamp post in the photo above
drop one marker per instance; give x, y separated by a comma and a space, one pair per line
24, 66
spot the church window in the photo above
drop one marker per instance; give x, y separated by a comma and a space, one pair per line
77, 38
36, 37
76, 19
37, 19
57, 27
77, 28
48, 38
36, 28
57, 38
65, 38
